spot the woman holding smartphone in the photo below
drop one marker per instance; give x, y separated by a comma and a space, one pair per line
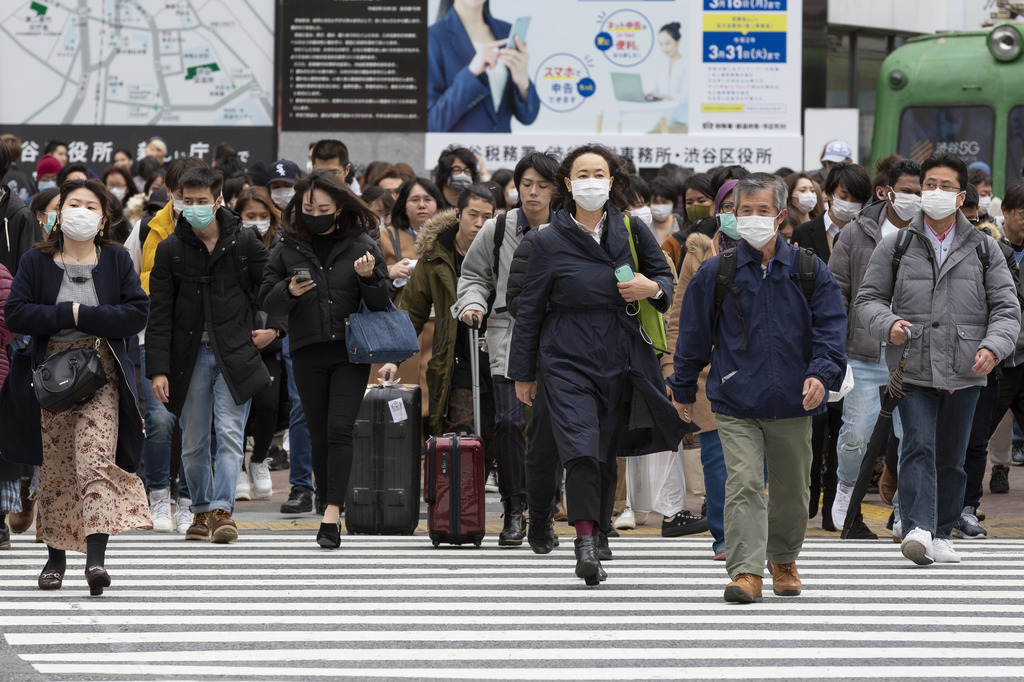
477, 71
323, 267
582, 286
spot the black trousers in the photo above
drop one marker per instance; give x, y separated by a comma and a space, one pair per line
542, 462
262, 423
1004, 392
824, 458
331, 390
590, 490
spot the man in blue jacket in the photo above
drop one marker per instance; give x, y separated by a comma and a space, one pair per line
776, 347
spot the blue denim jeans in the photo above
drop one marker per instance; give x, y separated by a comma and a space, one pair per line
156, 449
936, 427
713, 461
860, 411
209, 401
300, 448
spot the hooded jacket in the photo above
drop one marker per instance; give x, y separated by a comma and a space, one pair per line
20, 230
193, 289
955, 309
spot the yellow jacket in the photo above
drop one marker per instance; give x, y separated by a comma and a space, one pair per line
161, 225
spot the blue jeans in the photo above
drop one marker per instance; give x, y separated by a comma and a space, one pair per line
156, 449
713, 461
300, 449
936, 428
860, 411
209, 401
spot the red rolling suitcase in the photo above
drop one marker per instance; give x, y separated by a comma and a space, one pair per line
454, 476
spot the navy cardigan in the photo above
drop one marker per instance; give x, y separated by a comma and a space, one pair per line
122, 313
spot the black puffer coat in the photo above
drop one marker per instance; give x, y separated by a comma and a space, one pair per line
318, 316
191, 289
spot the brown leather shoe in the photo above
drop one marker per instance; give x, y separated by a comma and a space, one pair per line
50, 579
745, 588
887, 485
200, 528
224, 529
785, 579
19, 522
560, 514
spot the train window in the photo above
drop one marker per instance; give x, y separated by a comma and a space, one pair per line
1014, 145
966, 131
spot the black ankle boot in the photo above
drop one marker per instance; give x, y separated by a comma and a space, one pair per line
329, 536
604, 552
588, 566
541, 534
512, 534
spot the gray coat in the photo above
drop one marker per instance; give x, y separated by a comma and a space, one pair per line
848, 263
478, 280
955, 309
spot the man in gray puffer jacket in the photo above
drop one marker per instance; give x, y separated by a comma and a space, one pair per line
951, 296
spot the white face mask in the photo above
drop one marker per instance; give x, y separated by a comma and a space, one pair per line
79, 224
845, 210
756, 230
984, 203
643, 213
661, 211
118, 192
512, 197
906, 206
179, 206
261, 225
938, 204
591, 194
806, 201
282, 195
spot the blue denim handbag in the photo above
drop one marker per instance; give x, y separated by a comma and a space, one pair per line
377, 337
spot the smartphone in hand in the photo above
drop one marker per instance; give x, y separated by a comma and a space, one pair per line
624, 273
301, 275
517, 35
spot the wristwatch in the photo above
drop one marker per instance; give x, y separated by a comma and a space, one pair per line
657, 296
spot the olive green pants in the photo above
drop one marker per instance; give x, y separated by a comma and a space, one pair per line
757, 529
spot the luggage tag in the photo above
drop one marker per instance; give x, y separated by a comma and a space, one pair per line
398, 413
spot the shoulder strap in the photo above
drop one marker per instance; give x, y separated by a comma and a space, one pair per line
724, 285
144, 230
983, 254
634, 243
396, 242
902, 244
806, 272
499, 237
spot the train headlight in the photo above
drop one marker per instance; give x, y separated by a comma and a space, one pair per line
1005, 43
897, 80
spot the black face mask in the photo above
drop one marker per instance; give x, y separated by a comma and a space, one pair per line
318, 224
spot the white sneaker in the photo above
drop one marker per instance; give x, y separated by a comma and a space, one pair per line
917, 546
183, 515
491, 485
626, 520
242, 491
897, 531
263, 487
942, 550
160, 510
841, 505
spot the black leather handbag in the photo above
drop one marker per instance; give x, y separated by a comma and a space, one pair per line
68, 378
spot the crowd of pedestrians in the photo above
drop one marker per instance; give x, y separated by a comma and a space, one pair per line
751, 316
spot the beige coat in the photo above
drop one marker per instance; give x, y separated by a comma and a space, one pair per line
700, 247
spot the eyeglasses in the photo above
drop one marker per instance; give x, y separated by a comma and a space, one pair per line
456, 170
930, 185
727, 208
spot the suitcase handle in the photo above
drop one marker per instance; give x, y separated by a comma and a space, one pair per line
474, 366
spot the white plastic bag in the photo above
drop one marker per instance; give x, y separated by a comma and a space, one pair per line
845, 389
657, 483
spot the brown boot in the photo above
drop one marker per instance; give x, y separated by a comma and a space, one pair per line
785, 579
200, 528
745, 588
887, 485
223, 528
19, 522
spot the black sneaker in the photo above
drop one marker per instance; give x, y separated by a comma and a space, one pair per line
860, 531
5, 536
299, 501
278, 459
999, 482
1018, 453
683, 523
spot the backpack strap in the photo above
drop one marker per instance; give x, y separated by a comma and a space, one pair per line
806, 273
724, 285
396, 243
144, 230
902, 244
499, 238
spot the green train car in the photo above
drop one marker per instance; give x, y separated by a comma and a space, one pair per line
961, 93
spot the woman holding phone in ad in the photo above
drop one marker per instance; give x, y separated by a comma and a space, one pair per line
478, 71
671, 82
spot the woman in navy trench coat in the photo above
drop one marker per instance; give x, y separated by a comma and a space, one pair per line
599, 374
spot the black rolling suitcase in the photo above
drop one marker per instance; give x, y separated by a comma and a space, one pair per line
384, 487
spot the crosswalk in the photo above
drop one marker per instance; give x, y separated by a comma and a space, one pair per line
275, 606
